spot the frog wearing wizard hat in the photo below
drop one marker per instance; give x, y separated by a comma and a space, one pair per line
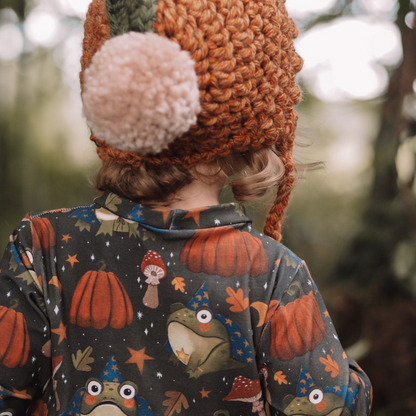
203, 340
3, 410
108, 395
312, 400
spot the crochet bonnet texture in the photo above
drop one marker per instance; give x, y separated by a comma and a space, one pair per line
181, 82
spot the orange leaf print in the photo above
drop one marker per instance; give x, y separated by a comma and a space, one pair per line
280, 377
179, 283
358, 367
331, 366
355, 377
237, 299
176, 400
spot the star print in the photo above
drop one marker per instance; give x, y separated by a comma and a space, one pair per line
182, 355
326, 313
61, 331
165, 212
66, 237
240, 352
195, 213
195, 305
72, 259
21, 394
228, 322
138, 358
308, 376
55, 281
303, 390
205, 393
337, 388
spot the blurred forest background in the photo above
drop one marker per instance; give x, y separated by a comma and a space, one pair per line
354, 222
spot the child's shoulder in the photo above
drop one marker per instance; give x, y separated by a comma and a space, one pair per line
276, 250
47, 222
58, 213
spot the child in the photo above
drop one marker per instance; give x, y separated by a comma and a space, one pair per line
155, 299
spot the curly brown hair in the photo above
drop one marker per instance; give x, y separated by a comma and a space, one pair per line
250, 175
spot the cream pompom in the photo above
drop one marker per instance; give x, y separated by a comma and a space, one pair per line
141, 92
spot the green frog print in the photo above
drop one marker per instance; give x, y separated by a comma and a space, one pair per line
312, 400
203, 340
108, 395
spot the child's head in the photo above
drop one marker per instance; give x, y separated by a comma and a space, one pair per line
157, 112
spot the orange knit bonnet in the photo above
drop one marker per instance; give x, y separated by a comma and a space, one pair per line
245, 63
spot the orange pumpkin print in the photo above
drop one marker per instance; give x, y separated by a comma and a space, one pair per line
99, 301
14, 339
295, 328
43, 235
226, 252
38, 408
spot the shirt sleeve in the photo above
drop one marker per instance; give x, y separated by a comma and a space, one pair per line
304, 367
25, 364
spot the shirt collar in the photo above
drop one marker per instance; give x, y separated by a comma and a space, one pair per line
231, 214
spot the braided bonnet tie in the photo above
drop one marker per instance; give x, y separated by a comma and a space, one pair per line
183, 82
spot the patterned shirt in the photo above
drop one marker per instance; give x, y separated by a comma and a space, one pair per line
122, 309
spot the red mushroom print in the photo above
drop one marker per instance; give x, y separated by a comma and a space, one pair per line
246, 390
265, 373
56, 364
154, 269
